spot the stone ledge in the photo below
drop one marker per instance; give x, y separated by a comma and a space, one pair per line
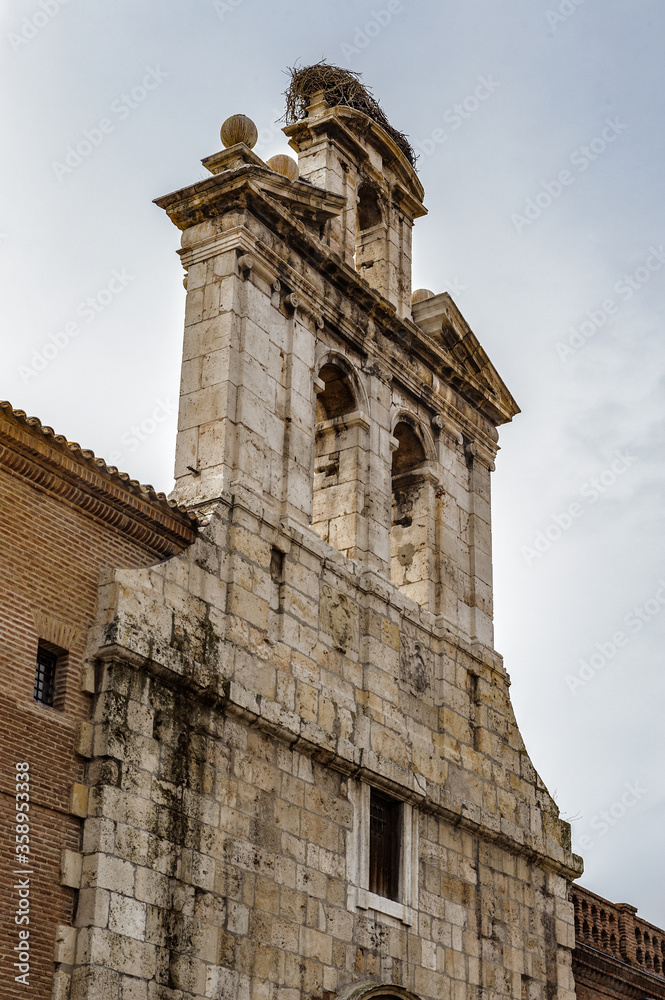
70, 869
65, 945
363, 763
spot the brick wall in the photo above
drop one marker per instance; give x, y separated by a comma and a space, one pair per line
617, 954
51, 554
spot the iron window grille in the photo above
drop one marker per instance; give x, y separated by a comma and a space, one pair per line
45, 676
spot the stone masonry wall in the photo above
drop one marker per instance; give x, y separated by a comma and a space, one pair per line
247, 415
328, 633
220, 852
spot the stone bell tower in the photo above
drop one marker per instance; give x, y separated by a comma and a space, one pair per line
360, 161
351, 408
306, 778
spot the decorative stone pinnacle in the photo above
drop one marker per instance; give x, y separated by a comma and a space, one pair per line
239, 128
421, 294
284, 165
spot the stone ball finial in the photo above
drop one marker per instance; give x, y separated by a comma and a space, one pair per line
239, 128
284, 165
420, 295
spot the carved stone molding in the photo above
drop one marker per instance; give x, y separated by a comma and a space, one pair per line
476, 452
106, 502
338, 617
416, 665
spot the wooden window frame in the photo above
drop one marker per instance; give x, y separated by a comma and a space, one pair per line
360, 895
385, 845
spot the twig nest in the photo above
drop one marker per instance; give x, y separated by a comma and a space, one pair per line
239, 128
284, 165
334, 85
420, 295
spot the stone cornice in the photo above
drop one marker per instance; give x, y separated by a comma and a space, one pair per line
271, 199
192, 205
73, 475
343, 755
345, 125
268, 263
593, 966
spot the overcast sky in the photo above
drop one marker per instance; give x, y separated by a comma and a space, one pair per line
540, 128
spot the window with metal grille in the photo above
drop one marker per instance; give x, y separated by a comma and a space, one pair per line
384, 845
45, 672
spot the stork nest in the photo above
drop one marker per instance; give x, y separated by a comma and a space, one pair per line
339, 86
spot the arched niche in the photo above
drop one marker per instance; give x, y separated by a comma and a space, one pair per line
369, 207
375, 991
413, 531
410, 451
337, 398
371, 237
340, 466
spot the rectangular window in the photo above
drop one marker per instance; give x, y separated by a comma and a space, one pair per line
385, 823
382, 853
45, 676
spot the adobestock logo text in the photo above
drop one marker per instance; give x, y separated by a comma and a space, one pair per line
591, 491
363, 35
626, 287
88, 310
565, 10
33, 23
136, 435
605, 651
122, 108
581, 159
603, 821
458, 114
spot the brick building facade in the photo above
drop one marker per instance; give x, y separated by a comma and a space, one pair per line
285, 735
66, 517
617, 954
